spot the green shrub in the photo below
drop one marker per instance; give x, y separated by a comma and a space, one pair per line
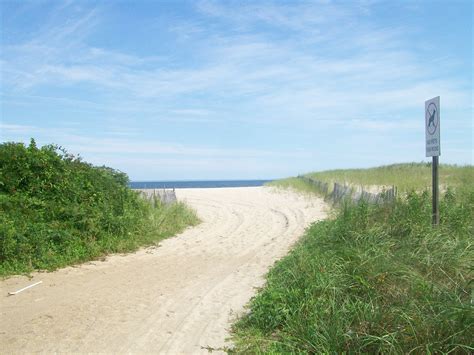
56, 210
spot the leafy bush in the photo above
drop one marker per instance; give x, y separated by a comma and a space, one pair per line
56, 210
372, 280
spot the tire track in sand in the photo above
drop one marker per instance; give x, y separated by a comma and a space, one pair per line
177, 298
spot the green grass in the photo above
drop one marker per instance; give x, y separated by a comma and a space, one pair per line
373, 279
56, 210
295, 184
406, 176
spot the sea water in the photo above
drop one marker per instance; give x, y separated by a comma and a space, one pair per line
195, 184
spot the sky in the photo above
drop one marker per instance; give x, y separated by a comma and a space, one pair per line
189, 90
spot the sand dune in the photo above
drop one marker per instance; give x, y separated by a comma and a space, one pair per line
179, 297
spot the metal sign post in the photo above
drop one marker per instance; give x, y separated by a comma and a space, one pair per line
433, 148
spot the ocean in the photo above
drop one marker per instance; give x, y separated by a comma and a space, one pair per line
195, 184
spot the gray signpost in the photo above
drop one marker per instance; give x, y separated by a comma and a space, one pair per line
433, 148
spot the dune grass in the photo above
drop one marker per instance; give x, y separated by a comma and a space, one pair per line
56, 210
407, 176
295, 184
372, 279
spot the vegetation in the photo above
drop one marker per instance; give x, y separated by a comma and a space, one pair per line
294, 183
373, 279
57, 210
406, 176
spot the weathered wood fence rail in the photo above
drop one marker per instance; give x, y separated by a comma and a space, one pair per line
342, 193
166, 196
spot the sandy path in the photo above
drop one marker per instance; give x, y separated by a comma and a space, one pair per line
176, 298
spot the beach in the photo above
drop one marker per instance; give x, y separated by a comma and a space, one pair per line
178, 297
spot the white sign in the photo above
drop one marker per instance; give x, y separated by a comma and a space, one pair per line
433, 146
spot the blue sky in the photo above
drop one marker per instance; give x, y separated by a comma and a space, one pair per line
235, 89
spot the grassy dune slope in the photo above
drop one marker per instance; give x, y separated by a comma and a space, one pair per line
406, 176
374, 279
56, 210
293, 183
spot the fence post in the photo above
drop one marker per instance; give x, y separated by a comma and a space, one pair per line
435, 182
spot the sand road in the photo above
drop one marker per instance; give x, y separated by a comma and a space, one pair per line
179, 297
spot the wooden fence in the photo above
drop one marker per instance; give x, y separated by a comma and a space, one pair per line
166, 196
322, 187
341, 193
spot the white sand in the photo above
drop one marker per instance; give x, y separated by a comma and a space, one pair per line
176, 298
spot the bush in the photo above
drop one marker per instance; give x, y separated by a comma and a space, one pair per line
56, 210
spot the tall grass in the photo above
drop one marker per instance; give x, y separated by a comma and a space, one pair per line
295, 184
406, 176
56, 210
374, 279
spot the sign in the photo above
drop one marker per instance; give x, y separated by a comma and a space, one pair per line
432, 129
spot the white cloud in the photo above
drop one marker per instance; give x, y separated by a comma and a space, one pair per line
120, 146
280, 73
14, 128
315, 65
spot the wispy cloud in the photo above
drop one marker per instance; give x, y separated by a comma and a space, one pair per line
117, 145
309, 66
14, 128
273, 72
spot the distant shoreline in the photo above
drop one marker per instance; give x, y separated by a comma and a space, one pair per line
195, 184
